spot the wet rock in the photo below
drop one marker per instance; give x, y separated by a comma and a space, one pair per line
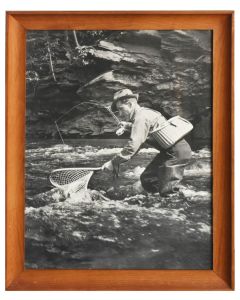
53, 196
57, 195
115, 234
171, 71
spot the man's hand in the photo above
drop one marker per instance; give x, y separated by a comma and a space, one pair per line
123, 126
120, 131
108, 166
111, 166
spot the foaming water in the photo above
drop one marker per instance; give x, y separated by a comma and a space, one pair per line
135, 173
115, 223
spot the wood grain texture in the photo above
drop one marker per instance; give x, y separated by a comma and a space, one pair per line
222, 275
118, 280
221, 150
118, 21
15, 115
232, 156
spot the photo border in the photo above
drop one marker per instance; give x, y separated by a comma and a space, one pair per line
221, 277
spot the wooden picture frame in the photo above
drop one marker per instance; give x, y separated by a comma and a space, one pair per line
221, 277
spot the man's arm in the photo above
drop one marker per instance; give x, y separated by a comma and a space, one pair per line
139, 133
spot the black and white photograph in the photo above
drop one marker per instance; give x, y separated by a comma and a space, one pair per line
118, 149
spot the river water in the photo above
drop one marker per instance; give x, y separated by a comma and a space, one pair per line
114, 225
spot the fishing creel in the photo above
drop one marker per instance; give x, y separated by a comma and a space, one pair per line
171, 131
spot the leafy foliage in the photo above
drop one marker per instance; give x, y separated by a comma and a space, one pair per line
64, 48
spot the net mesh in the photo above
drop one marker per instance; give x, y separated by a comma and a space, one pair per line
72, 180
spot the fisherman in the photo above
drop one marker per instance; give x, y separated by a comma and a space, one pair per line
165, 172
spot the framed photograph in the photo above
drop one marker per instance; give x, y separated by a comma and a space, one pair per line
119, 149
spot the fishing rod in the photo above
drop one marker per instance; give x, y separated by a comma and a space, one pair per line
119, 132
58, 119
112, 114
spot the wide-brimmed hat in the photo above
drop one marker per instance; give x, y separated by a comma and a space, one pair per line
121, 95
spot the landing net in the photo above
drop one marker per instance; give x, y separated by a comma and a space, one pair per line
72, 180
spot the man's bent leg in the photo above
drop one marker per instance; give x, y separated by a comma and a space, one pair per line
169, 179
149, 178
172, 171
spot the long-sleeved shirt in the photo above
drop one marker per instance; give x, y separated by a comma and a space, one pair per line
144, 121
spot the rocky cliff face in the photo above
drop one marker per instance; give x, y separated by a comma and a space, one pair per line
170, 70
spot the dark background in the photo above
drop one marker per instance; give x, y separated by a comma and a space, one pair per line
171, 71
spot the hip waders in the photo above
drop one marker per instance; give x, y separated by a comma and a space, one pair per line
165, 172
